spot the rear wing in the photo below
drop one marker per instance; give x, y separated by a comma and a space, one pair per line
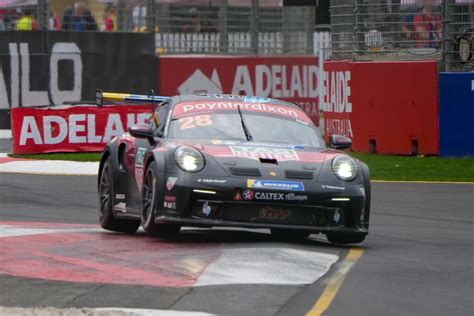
101, 96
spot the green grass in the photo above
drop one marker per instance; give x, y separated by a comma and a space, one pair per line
62, 156
418, 168
381, 167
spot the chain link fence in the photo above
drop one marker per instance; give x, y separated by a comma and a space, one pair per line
404, 30
192, 26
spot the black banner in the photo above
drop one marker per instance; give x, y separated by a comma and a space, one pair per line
40, 68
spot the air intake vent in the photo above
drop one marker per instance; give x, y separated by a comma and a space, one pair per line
239, 171
299, 174
268, 160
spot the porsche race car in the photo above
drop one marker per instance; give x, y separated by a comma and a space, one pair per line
235, 161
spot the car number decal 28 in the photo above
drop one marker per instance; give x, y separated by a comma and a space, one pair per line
194, 121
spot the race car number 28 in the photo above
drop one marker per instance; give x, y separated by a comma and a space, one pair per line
194, 121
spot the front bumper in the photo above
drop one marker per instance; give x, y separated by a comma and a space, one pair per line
321, 207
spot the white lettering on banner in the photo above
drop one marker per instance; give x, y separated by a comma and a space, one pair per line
77, 128
113, 128
30, 130
65, 51
48, 129
336, 99
272, 81
20, 92
28, 97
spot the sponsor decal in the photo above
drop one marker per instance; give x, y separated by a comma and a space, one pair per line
277, 196
171, 182
171, 205
120, 207
170, 198
186, 109
332, 187
216, 141
282, 154
218, 181
275, 185
120, 196
140, 156
273, 173
248, 195
237, 196
337, 216
206, 209
270, 213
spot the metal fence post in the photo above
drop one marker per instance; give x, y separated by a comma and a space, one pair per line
223, 30
42, 8
121, 15
150, 16
254, 27
446, 46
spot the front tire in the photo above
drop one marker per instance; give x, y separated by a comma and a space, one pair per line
343, 239
106, 204
149, 205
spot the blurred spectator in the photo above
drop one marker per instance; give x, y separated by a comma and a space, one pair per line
54, 22
139, 17
79, 18
427, 28
195, 24
110, 18
26, 22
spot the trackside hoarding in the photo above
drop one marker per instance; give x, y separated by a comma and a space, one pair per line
387, 107
456, 114
71, 129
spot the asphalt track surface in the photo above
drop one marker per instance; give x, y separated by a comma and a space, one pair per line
417, 260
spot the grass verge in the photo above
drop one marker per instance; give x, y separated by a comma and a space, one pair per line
395, 168
406, 168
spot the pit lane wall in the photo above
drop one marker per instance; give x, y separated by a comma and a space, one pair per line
456, 114
39, 68
386, 107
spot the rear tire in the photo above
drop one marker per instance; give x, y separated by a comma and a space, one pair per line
149, 206
289, 234
106, 204
343, 239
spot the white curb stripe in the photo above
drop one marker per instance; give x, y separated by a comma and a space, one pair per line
266, 266
53, 167
5, 134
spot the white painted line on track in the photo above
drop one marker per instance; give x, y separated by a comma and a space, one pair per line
5, 133
52, 167
14, 231
266, 266
108, 311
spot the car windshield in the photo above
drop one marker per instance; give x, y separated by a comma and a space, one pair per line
262, 127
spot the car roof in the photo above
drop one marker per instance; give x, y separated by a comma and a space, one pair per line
230, 97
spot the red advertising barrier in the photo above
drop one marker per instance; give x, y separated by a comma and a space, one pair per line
71, 129
395, 107
293, 78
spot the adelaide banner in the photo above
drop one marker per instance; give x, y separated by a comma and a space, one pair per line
290, 78
72, 128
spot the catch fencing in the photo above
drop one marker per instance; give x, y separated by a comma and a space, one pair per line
441, 30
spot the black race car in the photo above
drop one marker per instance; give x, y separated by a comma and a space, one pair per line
228, 160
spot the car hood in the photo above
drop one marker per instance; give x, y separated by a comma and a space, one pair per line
275, 160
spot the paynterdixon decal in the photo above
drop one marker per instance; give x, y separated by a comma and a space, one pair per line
281, 154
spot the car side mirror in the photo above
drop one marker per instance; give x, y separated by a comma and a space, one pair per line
142, 131
340, 142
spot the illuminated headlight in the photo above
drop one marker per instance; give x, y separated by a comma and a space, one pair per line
344, 167
189, 159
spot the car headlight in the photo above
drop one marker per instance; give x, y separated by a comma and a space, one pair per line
189, 159
344, 167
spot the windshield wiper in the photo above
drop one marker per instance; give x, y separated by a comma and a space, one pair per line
246, 130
